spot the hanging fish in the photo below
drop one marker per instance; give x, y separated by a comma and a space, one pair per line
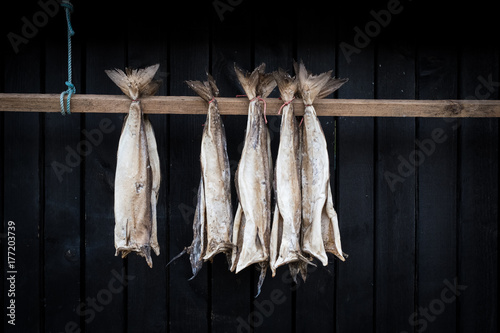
320, 229
252, 223
137, 178
213, 220
287, 219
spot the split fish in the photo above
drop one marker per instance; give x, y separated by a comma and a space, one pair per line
320, 228
287, 219
213, 220
137, 178
252, 222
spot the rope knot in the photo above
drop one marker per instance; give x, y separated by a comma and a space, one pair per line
71, 87
262, 100
284, 104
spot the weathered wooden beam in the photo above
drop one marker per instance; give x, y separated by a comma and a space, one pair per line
239, 106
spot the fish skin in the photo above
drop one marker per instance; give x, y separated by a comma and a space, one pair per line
320, 230
254, 192
197, 248
133, 188
315, 175
138, 176
253, 179
154, 161
287, 221
213, 220
216, 173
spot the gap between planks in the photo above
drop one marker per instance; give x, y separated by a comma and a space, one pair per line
239, 106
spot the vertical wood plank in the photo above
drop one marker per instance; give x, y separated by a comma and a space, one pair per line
189, 301
232, 294
478, 230
315, 299
356, 147
22, 189
147, 302
62, 191
105, 49
437, 191
395, 203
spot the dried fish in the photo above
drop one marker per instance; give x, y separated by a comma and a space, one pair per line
320, 229
251, 230
213, 221
137, 178
286, 228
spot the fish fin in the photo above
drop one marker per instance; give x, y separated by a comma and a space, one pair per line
315, 86
332, 239
178, 256
305, 260
262, 276
136, 82
239, 223
275, 241
146, 253
207, 89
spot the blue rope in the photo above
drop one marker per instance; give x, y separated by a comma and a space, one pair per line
71, 87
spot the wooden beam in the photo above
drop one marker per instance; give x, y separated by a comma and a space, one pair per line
239, 106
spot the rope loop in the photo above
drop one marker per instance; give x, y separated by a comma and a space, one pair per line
284, 104
262, 100
71, 87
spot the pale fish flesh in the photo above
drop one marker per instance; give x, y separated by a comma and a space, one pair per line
286, 228
137, 177
251, 230
320, 229
213, 220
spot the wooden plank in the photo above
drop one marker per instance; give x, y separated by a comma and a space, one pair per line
105, 49
232, 294
147, 302
91, 103
189, 301
356, 187
437, 190
315, 306
62, 191
394, 205
478, 186
23, 200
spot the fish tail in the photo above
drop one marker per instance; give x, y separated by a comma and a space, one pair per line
287, 84
136, 82
207, 89
257, 83
315, 86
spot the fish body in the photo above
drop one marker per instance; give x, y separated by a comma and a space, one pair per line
254, 192
315, 181
133, 185
320, 229
287, 220
137, 177
213, 218
252, 222
216, 173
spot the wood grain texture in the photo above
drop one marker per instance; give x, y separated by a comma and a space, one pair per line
89, 103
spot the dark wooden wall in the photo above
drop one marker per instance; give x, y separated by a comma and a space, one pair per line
422, 236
